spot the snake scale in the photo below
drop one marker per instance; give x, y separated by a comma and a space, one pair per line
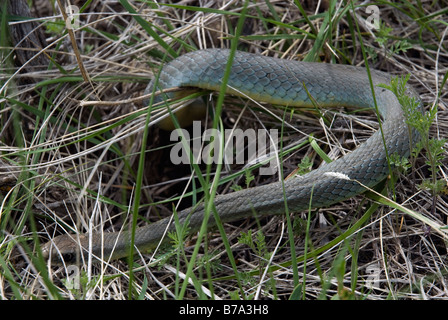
281, 82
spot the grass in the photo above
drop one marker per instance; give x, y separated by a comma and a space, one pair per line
77, 156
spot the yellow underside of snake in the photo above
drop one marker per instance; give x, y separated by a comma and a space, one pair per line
281, 82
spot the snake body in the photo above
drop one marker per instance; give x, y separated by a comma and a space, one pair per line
282, 82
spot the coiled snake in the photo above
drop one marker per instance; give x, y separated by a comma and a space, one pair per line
280, 82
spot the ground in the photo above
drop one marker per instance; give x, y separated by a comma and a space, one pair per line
77, 156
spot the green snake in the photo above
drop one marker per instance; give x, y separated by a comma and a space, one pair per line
280, 82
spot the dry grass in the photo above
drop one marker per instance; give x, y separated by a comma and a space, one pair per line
76, 164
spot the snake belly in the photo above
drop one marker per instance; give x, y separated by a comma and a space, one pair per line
281, 82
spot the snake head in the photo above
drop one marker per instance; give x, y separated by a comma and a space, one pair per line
64, 249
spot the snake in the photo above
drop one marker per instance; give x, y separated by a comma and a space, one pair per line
278, 82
